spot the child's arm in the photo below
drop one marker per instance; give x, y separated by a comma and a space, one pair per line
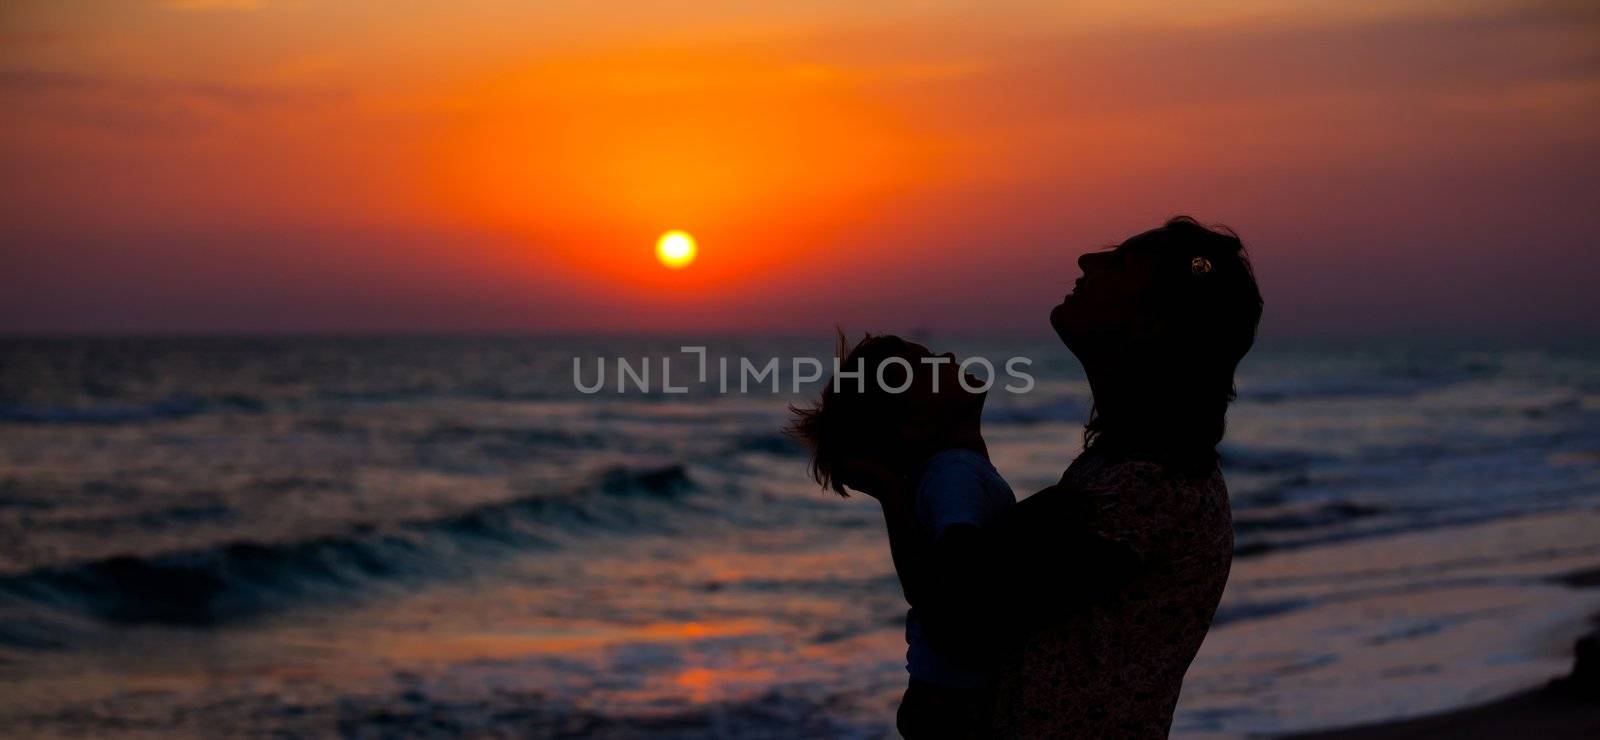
907, 547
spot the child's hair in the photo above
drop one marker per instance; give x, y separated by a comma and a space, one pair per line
854, 419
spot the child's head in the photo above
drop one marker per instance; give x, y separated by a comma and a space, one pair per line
884, 417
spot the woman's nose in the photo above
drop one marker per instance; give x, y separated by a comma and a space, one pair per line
1092, 261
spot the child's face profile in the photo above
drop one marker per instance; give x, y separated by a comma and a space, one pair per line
935, 407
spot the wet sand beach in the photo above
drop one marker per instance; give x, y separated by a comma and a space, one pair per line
1565, 708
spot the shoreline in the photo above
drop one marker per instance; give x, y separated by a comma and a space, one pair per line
1565, 707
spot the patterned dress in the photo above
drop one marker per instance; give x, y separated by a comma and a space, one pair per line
1113, 669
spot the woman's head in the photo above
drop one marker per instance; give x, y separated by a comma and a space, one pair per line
891, 402
1160, 322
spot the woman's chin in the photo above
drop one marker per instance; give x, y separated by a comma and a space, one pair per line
1061, 318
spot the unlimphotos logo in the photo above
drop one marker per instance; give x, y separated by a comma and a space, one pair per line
744, 375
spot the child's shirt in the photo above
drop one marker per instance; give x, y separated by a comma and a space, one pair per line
957, 486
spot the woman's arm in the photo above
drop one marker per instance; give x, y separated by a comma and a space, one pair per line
993, 586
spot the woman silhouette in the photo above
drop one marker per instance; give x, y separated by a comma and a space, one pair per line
1127, 556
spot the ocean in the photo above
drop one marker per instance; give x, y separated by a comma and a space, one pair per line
411, 536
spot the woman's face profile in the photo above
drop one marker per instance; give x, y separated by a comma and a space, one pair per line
1104, 301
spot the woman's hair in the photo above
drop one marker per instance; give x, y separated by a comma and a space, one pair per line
853, 419
1202, 308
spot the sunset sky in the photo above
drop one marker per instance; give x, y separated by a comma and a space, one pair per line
1397, 168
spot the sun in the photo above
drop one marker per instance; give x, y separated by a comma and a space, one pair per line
676, 249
